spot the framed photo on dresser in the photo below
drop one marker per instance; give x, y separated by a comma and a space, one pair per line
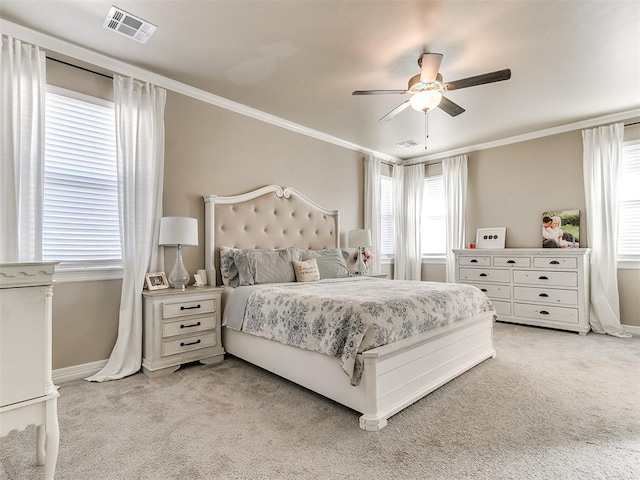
491, 237
156, 281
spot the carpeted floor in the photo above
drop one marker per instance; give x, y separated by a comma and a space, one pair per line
551, 405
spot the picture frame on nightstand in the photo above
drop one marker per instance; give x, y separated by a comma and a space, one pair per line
156, 281
491, 237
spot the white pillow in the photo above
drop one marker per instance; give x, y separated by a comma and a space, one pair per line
306, 270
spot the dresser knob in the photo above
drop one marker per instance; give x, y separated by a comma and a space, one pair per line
542, 277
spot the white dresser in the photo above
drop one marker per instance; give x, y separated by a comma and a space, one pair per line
27, 394
547, 287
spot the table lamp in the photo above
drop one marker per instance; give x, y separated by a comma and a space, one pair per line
179, 232
360, 239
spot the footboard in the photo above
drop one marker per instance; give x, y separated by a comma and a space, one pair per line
399, 374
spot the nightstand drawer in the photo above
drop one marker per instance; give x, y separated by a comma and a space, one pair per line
502, 308
475, 261
547, 295
188, 325
539, 277
555, 262
192, 307
484, 275
543, 312
186, 344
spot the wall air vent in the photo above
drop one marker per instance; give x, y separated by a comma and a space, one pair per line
408, 144
128, 25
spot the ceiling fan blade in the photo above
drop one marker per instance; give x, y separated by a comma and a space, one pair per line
450, 107
429, 65
377, 92
394, 112
498, 76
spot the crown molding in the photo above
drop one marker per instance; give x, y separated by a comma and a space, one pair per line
569, 127
83, 54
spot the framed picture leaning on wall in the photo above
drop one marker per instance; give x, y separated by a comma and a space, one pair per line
561, 229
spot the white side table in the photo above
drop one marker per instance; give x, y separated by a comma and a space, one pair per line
27, 394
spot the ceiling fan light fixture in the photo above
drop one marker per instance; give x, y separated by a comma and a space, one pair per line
424, 101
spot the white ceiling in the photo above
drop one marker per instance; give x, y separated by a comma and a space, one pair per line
300, 60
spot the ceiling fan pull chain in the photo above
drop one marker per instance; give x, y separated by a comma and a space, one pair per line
426, 129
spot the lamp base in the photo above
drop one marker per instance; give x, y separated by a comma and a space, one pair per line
361, 267
179, 277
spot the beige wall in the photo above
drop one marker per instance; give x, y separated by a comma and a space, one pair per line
211, 150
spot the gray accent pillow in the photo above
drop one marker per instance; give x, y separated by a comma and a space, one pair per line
259, 266
331, 262
228, 269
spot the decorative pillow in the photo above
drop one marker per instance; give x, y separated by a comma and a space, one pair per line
331, 262
228, 269
265, 265
306, 270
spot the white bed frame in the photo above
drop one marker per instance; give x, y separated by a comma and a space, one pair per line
395, 375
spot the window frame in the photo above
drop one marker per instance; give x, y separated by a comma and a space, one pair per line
627, 262
386, 258
90, 272
434, 258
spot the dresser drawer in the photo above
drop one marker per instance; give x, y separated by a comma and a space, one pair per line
555, 262
485, 275
511, 261
186, 344
541, 277
547, 295
475, 261
502, 308
188, 325
180, 309
494, 291
544, 312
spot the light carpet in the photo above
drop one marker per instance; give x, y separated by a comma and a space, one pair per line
551, 405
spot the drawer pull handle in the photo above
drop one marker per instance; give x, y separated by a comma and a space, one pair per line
544, 312
483, 274
189, 308
511, 261
182, 344
542, 277
190, 326
544, 295
554, 262
483, 290
473, 261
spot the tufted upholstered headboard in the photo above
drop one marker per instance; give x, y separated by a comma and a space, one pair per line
269, 217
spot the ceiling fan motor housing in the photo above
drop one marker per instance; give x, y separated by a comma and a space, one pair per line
415, 85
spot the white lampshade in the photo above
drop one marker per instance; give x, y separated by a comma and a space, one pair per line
427, 100
360, 238
179, 231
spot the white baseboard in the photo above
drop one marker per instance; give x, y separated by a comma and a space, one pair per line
631, 329
68, 374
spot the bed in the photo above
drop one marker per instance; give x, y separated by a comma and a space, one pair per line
385, 378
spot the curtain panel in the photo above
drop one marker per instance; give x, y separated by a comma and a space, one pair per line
22, 107
139, 110
601, 166
408, 187
372, 181
454, 172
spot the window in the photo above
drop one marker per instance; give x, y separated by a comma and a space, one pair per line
433, 217
629, 203
80, 226
387, 225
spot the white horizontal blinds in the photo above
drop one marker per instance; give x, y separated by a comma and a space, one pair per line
81, 227
387, 235
433, 217
629, 201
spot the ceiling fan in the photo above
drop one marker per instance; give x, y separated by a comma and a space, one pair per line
427, 87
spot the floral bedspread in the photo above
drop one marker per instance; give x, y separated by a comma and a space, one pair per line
347, 316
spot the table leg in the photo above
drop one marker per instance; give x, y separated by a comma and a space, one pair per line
53, 439
40, 451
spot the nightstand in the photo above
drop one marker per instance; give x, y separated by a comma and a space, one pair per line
180, 326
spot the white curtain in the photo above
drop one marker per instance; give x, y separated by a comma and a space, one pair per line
454, 172
22, 106
408, 184
372, 181
139, 110
601, 165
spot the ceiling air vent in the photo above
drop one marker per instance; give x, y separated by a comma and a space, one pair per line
408, 144
128, 25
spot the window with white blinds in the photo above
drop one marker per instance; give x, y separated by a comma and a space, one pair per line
387, 223
433, 232
629, 203
80, 228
